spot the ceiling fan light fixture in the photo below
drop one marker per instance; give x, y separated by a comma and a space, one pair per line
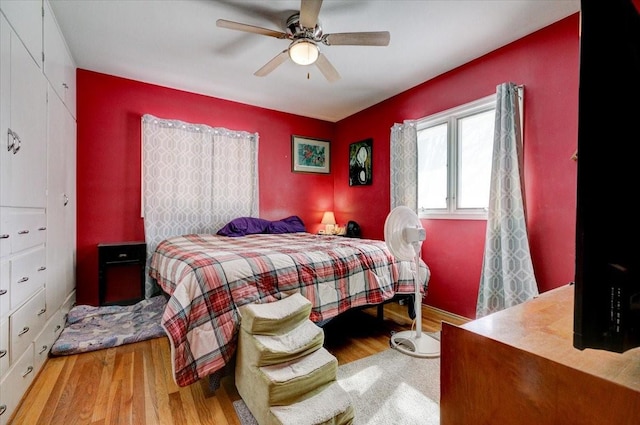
303, 52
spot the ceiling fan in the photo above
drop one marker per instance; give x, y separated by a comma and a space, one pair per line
304, 31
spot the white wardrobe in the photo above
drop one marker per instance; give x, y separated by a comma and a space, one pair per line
37, 192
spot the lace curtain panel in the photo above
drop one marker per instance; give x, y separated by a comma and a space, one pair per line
507, 271
195, 179
404, 165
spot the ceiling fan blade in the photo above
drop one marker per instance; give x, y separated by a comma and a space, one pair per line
272, 64
377, 38
327, 69
309, 11
223, 23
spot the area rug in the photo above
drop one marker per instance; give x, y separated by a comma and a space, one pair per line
91, 328
385, 388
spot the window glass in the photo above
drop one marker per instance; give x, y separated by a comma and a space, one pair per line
432, 167
475, 141
454, 161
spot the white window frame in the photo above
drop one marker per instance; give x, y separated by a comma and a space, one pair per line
451, 117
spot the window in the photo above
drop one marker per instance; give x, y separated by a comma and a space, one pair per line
454, 161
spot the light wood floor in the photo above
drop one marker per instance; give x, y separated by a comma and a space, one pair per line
133, 384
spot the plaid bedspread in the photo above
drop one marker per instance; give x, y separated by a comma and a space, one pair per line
208, 277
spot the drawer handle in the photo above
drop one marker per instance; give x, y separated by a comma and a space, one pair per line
3, 409
3, 291
28, 371
3, 353
24, 331
41, 312
23, 280
42, 228
42, 268
16, 148
23, 232
122, 255
44, 348
13, 141
4, 236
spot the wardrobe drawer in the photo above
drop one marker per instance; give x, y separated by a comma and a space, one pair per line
5, 237
21, 229
26, 323
4, 346
16, 384
47, 337
5, 296
68, 305
28, 274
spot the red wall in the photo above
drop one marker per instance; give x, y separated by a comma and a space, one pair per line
547, 63
109, 111
109, 135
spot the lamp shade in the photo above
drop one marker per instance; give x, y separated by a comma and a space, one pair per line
303, 52
328, 218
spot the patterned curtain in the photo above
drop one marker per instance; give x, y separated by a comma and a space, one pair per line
195, 179
507, 271
404, 165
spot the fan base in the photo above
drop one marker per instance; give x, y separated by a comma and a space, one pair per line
409, 343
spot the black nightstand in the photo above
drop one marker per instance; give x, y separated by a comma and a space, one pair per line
129, 255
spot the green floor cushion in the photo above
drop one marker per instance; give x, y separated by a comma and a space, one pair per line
332, 406
300, 341
292, 381
276, 317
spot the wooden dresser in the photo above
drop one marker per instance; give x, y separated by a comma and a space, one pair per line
519, 366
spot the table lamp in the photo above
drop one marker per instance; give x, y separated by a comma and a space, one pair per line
329, 220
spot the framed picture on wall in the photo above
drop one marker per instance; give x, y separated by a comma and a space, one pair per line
310, 155
361, 163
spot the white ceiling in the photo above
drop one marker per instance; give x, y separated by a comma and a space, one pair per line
176, 43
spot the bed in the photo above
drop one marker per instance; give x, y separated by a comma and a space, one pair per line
207, 277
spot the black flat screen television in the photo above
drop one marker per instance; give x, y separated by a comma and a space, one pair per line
607, 289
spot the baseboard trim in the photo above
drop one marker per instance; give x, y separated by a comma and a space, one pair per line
445, 315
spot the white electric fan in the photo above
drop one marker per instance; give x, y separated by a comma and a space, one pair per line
403, 235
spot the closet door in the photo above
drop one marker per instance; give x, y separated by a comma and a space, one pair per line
23, 147
59, 67
25, 17
60, 203
5, 112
